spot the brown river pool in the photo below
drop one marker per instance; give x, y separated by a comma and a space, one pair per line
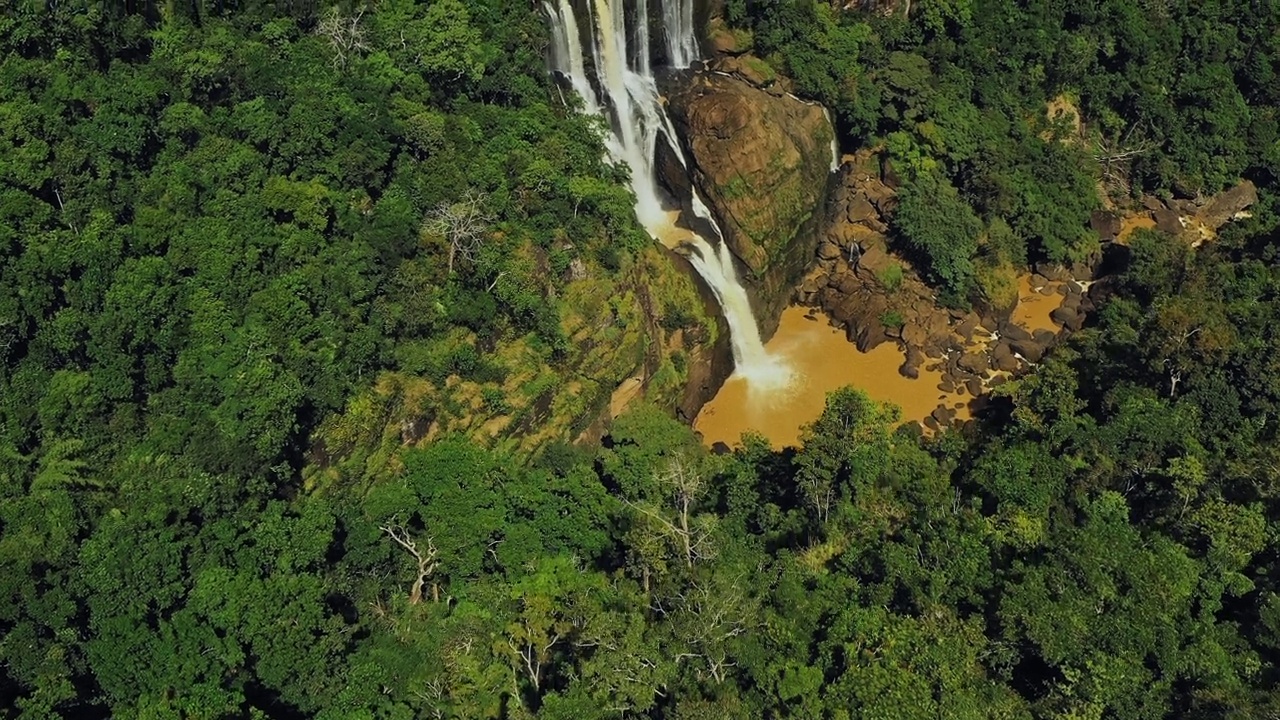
821, 360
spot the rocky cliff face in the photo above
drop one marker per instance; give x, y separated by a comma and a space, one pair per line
761, 159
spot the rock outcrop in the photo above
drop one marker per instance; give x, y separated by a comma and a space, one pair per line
761, 160
1227, 204
1196, 220
877, 297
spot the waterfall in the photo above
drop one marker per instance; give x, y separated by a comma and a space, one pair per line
835, 144
682, 43
626, 92
751, 361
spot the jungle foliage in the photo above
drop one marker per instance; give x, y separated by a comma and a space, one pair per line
219, 221
1018, 109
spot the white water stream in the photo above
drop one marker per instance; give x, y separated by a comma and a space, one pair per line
625, 91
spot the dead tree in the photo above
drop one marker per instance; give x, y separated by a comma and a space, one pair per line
426, 559
682, 485
345, 36
464, 225
1114, 157
533, 656
710, 614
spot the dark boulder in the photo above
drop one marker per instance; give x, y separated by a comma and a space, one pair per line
1002, 357
1106, 224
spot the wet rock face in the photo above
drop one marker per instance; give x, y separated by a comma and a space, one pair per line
761, 160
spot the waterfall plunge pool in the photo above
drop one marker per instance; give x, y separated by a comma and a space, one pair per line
821, 360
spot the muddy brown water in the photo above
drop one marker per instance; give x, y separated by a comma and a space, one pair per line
822, 360
1130, 223
1033, 309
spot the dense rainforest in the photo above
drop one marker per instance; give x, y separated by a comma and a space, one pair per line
226, 226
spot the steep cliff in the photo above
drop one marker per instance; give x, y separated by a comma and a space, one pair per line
761, 158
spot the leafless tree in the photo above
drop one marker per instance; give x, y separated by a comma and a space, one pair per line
464, 224
345, 35
819, 492
426, 558
710, 614
1116, 155
683, 485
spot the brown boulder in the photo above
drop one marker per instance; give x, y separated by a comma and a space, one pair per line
1031, 350
1002, 357
861, 317
1053, 271
1168, 221
910, 367
1068, 316
847, 284
943, 415
880, 195
975, 363
1011, 331
914, 334
828, 251
873, 257
974, 386
846, 235
861, 210
1106, 224
1226, 204
1045, 338
813, 283
1152, 203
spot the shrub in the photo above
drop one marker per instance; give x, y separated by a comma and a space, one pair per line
892, 319
495, 400
891, 277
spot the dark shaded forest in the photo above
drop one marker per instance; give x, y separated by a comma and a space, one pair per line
221, 223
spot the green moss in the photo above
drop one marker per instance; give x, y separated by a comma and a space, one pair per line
667, 382
761, 68
891, 277
736, 189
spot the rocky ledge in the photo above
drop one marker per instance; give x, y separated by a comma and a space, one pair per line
1196, 220
761, 159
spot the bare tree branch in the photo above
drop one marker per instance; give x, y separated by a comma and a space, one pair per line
426, 558
464, 224
683, 485
345, 35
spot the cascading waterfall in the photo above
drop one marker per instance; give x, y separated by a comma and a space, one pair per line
682, 44
628, 95
835, 144
750, 358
